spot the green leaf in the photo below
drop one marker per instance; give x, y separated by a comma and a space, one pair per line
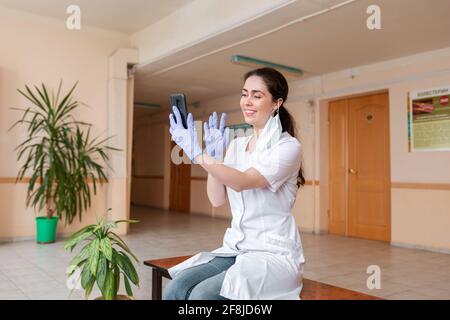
129, 221
89, 287
87, 280
121, 244
66, 98
31, 98
127, 266
106, 248
101, 273
109, 285
116, 280
74, 267
79, 259
94, 255
86, 276
78, 237
127, 286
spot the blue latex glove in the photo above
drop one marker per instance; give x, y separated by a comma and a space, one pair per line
216, 137
186, 139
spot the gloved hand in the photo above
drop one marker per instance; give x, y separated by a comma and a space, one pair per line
186, 139
216, 137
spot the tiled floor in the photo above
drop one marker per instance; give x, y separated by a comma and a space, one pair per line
32, 271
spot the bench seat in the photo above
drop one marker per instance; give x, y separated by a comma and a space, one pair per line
312, 290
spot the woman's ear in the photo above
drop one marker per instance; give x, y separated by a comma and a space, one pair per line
279, 102
278, 105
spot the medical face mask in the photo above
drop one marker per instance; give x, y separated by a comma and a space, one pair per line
270, 134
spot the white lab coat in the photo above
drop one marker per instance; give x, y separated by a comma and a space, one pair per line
263, 235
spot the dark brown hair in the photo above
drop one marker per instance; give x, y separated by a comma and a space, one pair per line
278, 87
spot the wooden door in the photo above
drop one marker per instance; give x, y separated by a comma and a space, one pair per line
180, 186
360, 167
338, 115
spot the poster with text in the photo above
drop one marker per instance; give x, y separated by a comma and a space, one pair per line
429, 120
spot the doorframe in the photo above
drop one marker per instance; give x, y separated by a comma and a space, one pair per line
324, 169
120, 127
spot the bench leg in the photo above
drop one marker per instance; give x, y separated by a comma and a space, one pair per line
156, 285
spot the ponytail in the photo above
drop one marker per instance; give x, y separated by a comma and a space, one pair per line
288, 125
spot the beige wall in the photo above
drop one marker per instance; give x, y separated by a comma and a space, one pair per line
421, 219
148, 168
35, 51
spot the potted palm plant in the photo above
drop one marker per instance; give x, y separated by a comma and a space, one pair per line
103, 259
61, 157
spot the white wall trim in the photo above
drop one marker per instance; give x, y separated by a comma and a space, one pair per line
118, 127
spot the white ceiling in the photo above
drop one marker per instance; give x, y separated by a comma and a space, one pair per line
329, 42
126, 16
333, 41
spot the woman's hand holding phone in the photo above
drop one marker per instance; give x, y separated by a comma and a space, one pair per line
186, 139
216, 137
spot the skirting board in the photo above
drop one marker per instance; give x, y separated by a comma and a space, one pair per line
15, 239
4, 240
312, 231
419, 247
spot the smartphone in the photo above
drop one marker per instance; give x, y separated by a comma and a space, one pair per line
179, 100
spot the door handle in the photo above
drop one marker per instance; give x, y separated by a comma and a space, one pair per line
352, 171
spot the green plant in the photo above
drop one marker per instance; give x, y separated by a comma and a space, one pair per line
61, 157
103, 259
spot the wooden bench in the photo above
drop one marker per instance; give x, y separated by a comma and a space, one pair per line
312, 290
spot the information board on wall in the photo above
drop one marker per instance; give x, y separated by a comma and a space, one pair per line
429, 120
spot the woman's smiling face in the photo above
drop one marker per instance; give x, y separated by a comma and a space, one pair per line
256, 102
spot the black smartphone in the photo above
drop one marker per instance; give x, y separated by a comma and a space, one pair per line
179, 100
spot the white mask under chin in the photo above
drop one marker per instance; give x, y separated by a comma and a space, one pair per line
270, 134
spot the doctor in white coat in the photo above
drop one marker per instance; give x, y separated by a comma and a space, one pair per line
261, 256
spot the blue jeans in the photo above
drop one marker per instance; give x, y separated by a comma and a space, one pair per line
201, 282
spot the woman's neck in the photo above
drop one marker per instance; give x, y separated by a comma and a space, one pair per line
257, 131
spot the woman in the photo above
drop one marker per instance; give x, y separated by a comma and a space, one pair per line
262, 255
